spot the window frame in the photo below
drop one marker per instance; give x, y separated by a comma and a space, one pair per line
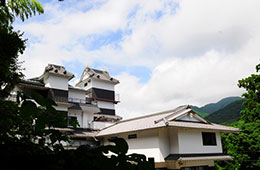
209, 138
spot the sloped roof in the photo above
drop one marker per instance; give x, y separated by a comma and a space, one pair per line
57, 70
163, 119
97, 74
198, 156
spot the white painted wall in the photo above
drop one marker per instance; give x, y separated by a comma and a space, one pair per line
146, 143
102, 84
159, 143
164, 142
106, 105
56, 82
77, 94
84, 119
87, 120
97, 84
173, 140
101, 125
82, 84
190, 141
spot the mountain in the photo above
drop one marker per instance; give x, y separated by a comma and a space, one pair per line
227, 115
213, 107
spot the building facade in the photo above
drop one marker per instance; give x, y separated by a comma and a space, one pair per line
175, 139
91, 102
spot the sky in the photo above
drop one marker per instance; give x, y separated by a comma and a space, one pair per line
165, 53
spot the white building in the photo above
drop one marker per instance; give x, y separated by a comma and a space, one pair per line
91, 102
175, 139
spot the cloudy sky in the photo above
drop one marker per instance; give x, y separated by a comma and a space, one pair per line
165, 53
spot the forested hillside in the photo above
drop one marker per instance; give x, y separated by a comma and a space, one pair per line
227, 115
213, 107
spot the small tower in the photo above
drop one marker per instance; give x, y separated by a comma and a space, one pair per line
100, 88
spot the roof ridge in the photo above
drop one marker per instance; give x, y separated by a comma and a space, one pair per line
144, 116
154, 114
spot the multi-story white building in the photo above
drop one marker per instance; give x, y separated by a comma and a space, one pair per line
91, 102
175, 139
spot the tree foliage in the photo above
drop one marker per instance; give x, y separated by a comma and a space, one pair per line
11, 46
28, 138
9, 9
245, 145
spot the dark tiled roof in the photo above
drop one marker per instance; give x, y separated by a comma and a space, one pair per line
98, 74
33, 81
56, 69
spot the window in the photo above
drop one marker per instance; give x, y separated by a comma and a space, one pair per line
209, 138
132, 136
72, 121
85, 84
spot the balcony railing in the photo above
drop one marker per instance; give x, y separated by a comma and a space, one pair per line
76, 100
84, 101
60, 99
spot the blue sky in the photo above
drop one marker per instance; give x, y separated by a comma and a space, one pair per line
165, 53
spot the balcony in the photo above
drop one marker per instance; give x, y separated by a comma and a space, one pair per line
83, 101
60, 99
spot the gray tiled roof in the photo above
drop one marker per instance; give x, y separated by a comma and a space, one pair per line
56, 69
162, 119
99, 75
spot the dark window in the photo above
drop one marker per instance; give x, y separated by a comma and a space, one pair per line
85, 84
103, 94
132, 136
107, 111
209, 138
58, 95
72, 120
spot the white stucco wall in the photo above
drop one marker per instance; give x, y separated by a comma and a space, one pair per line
101, 125
173, 140
83, 83
106, 105
190, 141
84, 119
102, 85
77, 94
164, 142
146, 143
56, 82
159, 143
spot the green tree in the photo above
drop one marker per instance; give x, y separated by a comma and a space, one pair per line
11, 42
18, 8
27, 137
244, 146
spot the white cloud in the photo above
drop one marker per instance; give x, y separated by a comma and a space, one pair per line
197, 50
176, 82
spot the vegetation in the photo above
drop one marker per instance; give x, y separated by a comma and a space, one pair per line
227, 115
244, 146
27, 137
213, 107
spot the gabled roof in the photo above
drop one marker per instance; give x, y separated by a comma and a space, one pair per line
97, 74
170, 118
56, 70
